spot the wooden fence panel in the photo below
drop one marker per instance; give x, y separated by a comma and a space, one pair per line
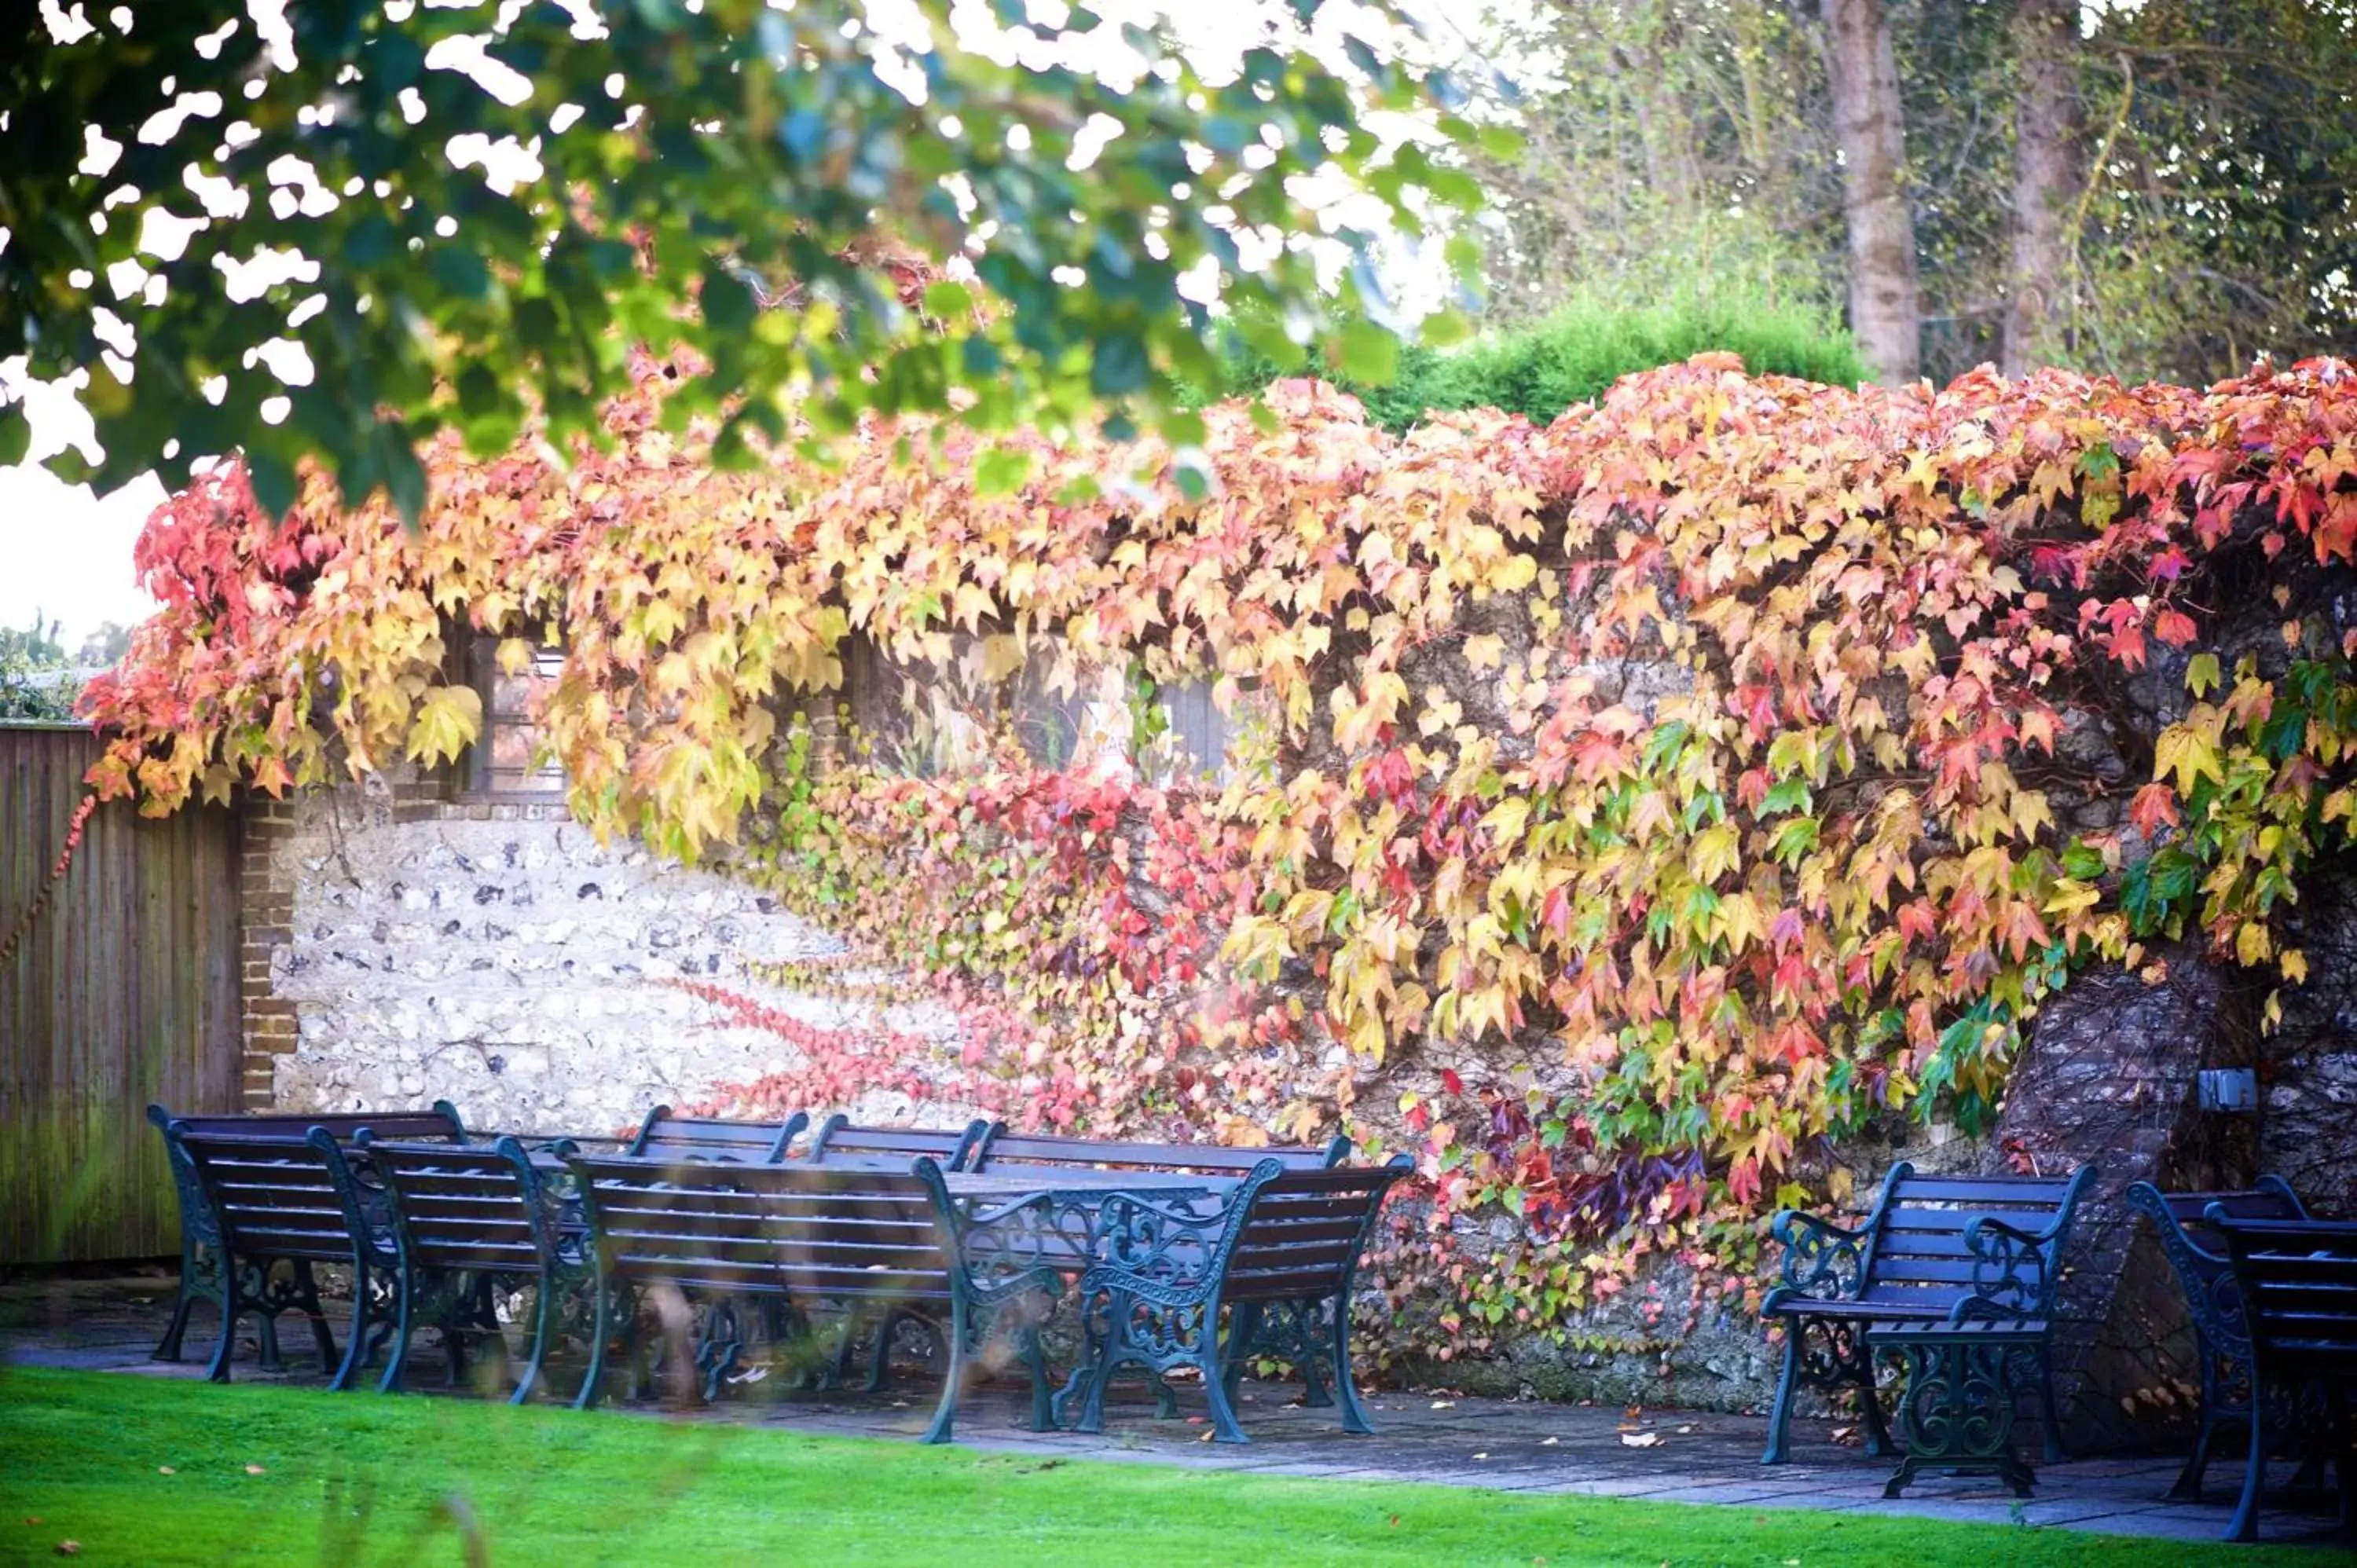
126, 990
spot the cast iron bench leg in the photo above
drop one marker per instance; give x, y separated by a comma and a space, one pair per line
1957, 1413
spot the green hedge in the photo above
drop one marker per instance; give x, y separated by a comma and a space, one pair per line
1572, 355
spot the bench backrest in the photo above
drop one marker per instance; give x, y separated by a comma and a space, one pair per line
667, 1135
441, 1122
795, 1228
2298, 1282
838, 1142
1921, 1252
1302, 1230
465, 1206
277, 1197
1002, 1150
2268, 1199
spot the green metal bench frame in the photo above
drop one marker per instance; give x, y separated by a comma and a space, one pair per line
470, 1221
1274, 1338
2205, 1272
1934, 1248
1282, 1248
200, 1246
296, 1202
1956, 1412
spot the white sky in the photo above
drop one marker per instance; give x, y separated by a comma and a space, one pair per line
64, 554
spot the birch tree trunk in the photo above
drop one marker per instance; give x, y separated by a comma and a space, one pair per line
1884, 311
2047, 31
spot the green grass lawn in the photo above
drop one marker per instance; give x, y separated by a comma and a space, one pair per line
275, 1475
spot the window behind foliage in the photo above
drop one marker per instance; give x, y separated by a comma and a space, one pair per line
501, 762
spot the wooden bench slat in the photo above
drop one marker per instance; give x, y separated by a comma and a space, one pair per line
2028, 1191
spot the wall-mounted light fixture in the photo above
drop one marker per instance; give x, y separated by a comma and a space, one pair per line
2232, 1088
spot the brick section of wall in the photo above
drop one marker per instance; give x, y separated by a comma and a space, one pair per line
265, 908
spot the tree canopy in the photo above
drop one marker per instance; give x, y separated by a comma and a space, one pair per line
2158, 190
187, 200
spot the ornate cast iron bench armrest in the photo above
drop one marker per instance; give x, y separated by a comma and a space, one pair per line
2013, 1269
1139, 1241
1821, 1258
1022, 1247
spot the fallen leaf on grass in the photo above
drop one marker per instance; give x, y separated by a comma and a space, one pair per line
256, 1470
1394, 1521
165, 1470
1640, 1440
68, 1548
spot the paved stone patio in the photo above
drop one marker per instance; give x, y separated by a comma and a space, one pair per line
1690, 1457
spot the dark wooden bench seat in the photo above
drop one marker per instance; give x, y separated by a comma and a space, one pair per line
200, 1247
808, 1235
1003, 1151
2197, 1255
1279, 1253
1932, 1250
290, 1202
2297, 1280
470, 1221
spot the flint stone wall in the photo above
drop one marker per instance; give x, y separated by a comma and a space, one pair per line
498, 956
404, 947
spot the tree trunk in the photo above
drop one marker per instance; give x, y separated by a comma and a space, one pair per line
2047, 32
1884, 312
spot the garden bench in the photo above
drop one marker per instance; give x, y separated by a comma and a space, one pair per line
200, 1232
1279, 1253
294, 1202
2298, 1280
667, 1135
1002, 1151
1934, 1248
838, 1141
469, 1222
809, 1235
2197, 1252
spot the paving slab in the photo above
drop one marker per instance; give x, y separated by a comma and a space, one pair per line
1523, 1447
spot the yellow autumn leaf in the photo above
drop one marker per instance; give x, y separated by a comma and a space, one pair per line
1715, 851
